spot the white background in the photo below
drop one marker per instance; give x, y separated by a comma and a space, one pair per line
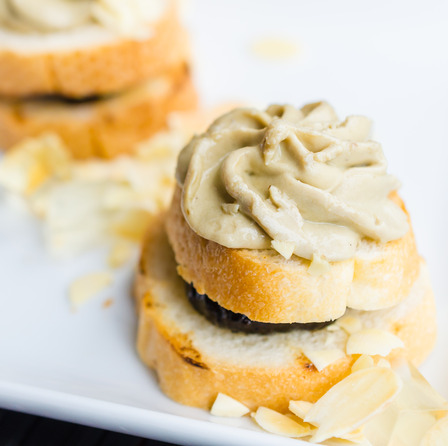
384, 59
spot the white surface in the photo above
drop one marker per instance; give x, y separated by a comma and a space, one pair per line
386, 60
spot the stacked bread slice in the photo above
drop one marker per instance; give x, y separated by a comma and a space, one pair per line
101, 91
377, 303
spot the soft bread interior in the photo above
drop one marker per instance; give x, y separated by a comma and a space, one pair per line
195, 359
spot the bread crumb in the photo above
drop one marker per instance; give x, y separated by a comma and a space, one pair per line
275, 48
108, 303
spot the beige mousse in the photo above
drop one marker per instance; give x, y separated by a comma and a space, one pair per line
289, 178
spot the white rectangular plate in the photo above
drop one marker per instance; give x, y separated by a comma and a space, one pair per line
387, 63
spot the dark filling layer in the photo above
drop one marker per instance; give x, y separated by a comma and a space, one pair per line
69, 100
238, 322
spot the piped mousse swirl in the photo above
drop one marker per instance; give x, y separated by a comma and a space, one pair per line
129, 18
295, 178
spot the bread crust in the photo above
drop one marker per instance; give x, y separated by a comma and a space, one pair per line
98, 69
192, 377
265, 287
105, 127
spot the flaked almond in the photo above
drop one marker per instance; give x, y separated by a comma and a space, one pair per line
411, 427
286, 249
318, 266
378, 429
437, 435
231, 208
350, 324
275, 48
353, 401
131, 224
372, 341
363, 362
33, 161
226, 406
383, 363
323, 358
417, 393
120, 254
280, 424
300, 408
356, 436
343, 442
86, 287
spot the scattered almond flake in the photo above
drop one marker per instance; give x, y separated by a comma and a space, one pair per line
417, 393
87, 203
300, 408
108, 303
318, 266
363, 362
350, 324
286, 249
323, 358
86, 287
372, 341
300, 421
275, 48
437, 435
32, 162
230, 208
383, 363
410, 427
226, 406
379, 429
279, 424
120, 253
356, 436
353, 401
131, 224
342, 442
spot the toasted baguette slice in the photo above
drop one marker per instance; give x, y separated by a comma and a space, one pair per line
88, 61
195, 360
105, 127
266, 287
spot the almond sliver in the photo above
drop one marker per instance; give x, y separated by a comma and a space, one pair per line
323, 358
318, 266
363, 362
353, 401
343, 442
373, 341
417, 393
411, 427
357, 436
437, 435
383, 363
379, 429
120, 253
86, 287
286, 249
300, 408
226, 406
350, 324
279, 424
